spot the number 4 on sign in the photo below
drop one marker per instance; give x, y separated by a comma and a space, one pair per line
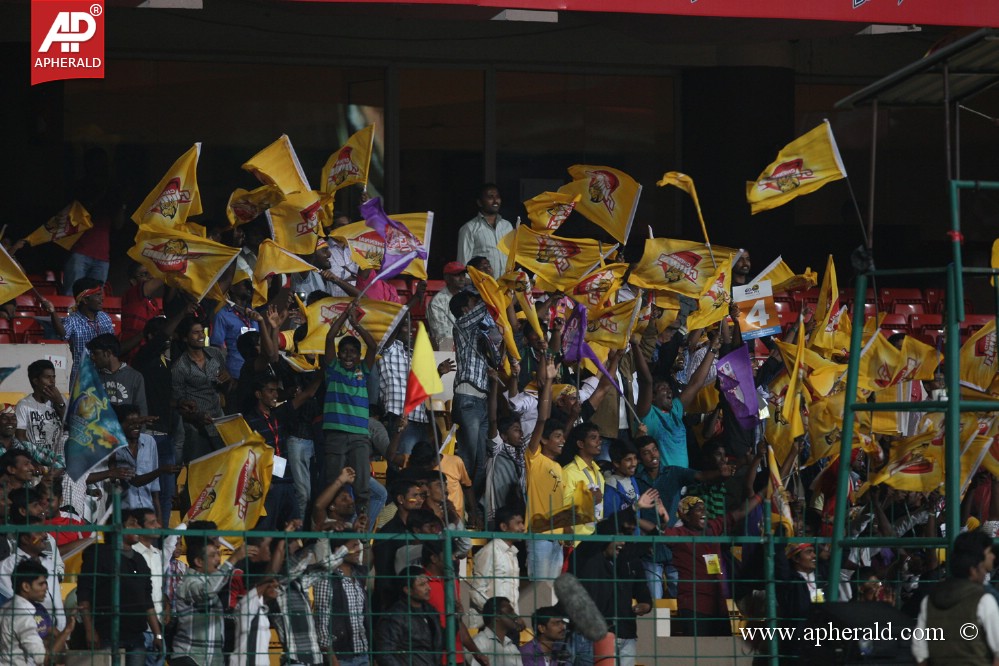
758, 315
757, 310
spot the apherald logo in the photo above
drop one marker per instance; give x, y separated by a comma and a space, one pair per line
67, 40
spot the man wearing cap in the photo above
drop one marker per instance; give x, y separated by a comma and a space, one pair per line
439, 318
703, 590
481, 235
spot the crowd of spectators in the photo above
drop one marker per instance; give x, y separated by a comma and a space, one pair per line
543, 447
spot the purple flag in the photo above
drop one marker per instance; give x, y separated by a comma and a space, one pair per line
735, 376
401, 245
575, 348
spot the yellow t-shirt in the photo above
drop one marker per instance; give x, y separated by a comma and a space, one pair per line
579, 478
546, 491
456, 476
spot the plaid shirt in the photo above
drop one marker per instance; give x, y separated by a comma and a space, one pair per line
80, 331
294, 622
393, 377
329, 605
200, 627
471, 364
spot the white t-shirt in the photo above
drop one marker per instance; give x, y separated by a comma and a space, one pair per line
41, 423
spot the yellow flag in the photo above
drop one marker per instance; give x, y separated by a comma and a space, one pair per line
278, 164
783, 279
520, 284
379, 318
679, 266
368, 247
558, 262
665, 309
821, 375
297, 221
349, 164
686, 183
13, 281
803, 166
914, 464
245, 206
978, 359
64, 228
233, 429
825, 323
612, 326
780, 501
882, 366
781, 432
175, 197
608, 197
597, 289
796, 371
549, 210
272, 259
228, 486
496, 301
184, 261
712, 306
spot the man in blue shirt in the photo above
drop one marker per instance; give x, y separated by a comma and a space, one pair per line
231, 322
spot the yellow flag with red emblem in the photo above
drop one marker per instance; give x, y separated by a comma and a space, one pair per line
559, 263
187, 262
272, 259
821, 374
780, 501
803, 166
826, 324
278, 164
64, 228
520, 284
13, 281
795, 372
608, 197
350, 164
781, 432
978, 359
612, 326
297, 221
680, 266
783, 279
825, 428
379, 318
246, 206
883, 366
368, 247
175, 197
228, 486
597, 289
497, 302
713, 304
549, 210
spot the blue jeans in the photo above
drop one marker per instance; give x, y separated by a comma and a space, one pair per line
627, 650
472, 416
354, 661
379, 497
79, 266
544, 559
654, 578
672, 581
153, 656
300, 455
581, 649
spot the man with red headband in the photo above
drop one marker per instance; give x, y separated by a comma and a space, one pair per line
86, 322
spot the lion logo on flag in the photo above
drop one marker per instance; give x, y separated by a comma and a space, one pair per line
717, 294
168, 202
680, 266
986, 349
248, 487
206, 498
913, 462
60, 226
556, 253
170, 256
310, 219
786, 177
558, 213
594, 287
328, 313
343, 169
246, 211
601, 188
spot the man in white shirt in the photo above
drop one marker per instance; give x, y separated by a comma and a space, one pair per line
253, 626
496, 570
39, 547
146, 547
494, 641
440, 321
25, 626
481, 235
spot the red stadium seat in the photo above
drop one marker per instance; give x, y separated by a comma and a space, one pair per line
27, 302
27, 327
894, 323
923, 324
973, 322
934, 300
112, 304
62, 303
5, 325
6, 338
892, 295
907, 309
